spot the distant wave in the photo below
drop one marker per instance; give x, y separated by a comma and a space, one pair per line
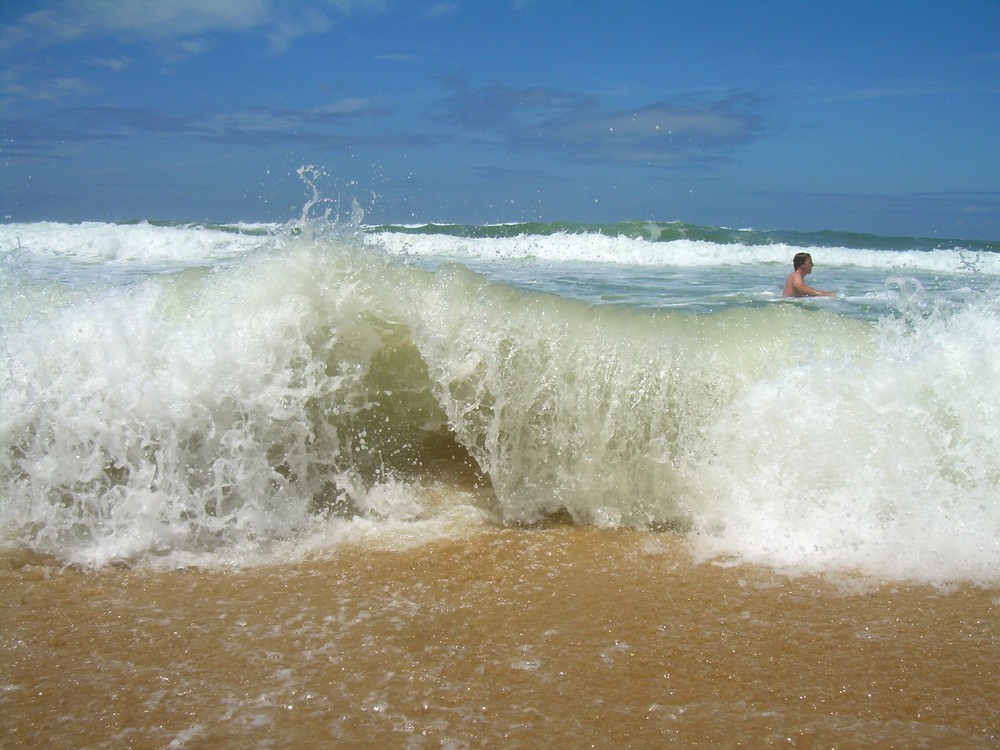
668, 231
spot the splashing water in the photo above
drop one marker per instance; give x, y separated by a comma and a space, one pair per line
202, 394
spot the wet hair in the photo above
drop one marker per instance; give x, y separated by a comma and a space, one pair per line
799, 259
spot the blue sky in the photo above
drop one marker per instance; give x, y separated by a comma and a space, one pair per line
868, 116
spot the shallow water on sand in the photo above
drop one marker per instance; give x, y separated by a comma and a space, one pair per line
560, 637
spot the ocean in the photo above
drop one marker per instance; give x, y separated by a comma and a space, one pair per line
295, 485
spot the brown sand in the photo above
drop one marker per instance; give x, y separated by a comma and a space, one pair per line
558, 637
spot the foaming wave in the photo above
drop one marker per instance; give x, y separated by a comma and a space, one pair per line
317, 389
197, 411
50, 249
590, 411
886, 464
211, 410
600, 248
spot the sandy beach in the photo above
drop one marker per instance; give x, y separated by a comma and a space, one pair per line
561, 637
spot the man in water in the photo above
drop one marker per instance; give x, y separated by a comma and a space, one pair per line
795, 285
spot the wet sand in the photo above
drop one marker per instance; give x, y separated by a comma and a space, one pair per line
558, 637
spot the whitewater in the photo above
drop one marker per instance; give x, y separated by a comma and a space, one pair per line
183, 394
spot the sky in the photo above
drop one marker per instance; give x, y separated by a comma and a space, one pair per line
860, 115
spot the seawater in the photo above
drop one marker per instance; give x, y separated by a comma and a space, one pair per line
178, 394
499, 486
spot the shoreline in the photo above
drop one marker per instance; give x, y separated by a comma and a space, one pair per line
565, 635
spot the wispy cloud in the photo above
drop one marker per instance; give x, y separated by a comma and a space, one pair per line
503, 110
14, 85
519, 176
441, 10
990, 58
35, 138
177, 25
895, 92
126, 121
683, 130
32, 68
332, 126
117, 63
911, 89
275, 121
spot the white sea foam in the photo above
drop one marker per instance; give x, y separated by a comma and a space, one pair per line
886, 464
170, 247
599, 248
137, 247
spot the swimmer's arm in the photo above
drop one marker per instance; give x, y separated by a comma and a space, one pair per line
810, 292
803, 290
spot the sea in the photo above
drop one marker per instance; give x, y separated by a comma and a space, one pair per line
328, 483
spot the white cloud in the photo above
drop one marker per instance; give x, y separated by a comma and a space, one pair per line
172, 18
441, 10
56, 89
168, 21
117, 63
350, 105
